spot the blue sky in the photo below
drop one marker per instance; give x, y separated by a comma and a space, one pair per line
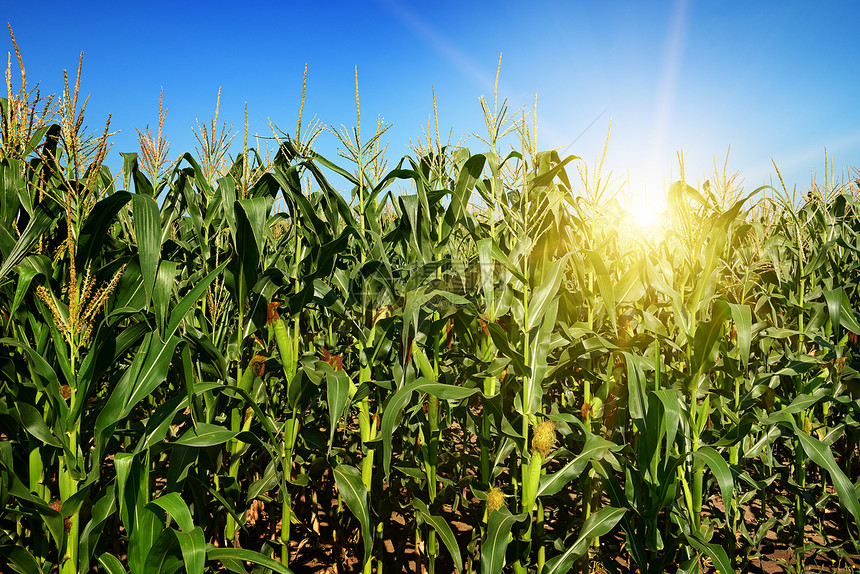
770, 79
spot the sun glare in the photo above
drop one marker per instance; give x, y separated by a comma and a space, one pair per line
645, 216
647, 209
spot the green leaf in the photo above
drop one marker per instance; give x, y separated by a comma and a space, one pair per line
173, 504
398, 401
193, 546
500, 256
143, 522
485, 253
742, 316
181, 310
671, 399
206, 434
13, 183
25, 277
839, 307
443, 529
249, 238
165, 282
94, 231
469, 174
19, 559
223, 502
630, 287
45, 374
111, 563
52, 519
354, 493
337, 395
267, 482
715, 552
847, 317
32, 420
46, 214
546, 177
709, 456
637, 401
545, 293
542, 344
717, 242
147, 230
220, 554
708, 334
129, 164
494, 545
834, 305
823, 457
604, 286
103, 507
595, 448
159, 423
805, 401
255, 210
598, 524
162, 557
500, 340
152, 373
131, 171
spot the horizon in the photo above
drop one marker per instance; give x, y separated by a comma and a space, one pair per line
661, 75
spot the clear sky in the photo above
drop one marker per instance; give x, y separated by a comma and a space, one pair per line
774, 80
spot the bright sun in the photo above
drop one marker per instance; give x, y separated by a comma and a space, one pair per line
645, 214
647, 209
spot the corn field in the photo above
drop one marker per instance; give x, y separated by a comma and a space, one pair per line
471, 361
